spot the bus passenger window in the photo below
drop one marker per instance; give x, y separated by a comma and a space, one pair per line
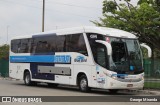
101, 56
14, 45
60, 43
24, 46
82, 45
75, 43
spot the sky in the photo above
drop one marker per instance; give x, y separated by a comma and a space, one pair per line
24, 17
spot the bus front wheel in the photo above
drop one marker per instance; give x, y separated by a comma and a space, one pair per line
83, 84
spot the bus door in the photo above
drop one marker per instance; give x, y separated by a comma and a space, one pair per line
100, 57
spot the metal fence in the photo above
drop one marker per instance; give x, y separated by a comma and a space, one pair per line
152, 68
4, 68
152, 73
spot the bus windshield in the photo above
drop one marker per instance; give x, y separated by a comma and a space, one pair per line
126, 55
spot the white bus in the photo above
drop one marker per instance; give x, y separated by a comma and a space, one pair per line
87, 57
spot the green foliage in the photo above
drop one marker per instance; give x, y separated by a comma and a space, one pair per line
152, 85
4, 51
157, 53
145, 53
143, 20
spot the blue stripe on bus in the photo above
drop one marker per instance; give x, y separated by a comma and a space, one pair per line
41, 59
119, 75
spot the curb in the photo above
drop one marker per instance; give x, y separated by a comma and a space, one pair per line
8, 78
147, 92
154, 92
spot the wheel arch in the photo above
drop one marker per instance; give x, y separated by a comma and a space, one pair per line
79, 75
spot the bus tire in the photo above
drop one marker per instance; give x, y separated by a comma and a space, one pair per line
83, 84
27, 79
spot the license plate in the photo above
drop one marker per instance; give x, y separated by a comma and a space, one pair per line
129, 85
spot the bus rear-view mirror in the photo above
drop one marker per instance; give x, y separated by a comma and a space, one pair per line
148, 49
108, 46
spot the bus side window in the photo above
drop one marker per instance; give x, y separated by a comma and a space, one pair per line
24, 47
45, 44
76, 43
101, 56
82, 45
15, 45
60, 43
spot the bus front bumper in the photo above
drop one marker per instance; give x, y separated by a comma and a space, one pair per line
116, 84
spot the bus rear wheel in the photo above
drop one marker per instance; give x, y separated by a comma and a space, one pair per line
27, 79
83, 84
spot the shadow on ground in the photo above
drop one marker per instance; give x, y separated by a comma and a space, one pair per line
75, 89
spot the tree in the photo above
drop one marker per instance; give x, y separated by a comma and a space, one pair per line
143, 20
4, 51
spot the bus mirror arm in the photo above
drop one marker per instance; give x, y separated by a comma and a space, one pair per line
108, 46
148, 48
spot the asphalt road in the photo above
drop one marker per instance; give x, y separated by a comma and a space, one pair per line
17, 88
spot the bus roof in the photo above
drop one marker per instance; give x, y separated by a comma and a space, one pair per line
87, 29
